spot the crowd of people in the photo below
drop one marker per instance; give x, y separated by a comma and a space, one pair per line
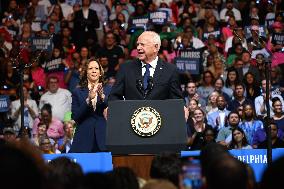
69, 43
22, 165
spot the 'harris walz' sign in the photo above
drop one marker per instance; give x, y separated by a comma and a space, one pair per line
261, 31
189, 60
158, 17
278, 38
140, 22
53, 65
42, 43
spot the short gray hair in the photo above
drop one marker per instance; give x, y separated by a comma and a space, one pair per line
156, 37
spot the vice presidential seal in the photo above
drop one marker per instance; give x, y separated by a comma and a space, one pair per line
146, 121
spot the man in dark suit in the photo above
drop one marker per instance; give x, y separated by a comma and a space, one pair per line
147, 77
85, 23
248, 67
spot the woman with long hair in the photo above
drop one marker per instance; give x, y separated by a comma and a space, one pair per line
218, 68
239, 140
231, 80
88, 106
252, 88
207, 85
196, 130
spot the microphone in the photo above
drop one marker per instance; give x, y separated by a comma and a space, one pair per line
150, 83
139, 85
149, 87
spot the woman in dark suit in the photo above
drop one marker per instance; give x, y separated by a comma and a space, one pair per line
88, 105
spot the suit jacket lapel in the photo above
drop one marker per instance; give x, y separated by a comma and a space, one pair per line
158, 70
137, 73
138, 69
84, 93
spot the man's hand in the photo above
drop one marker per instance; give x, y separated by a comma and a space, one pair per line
186, 113
196, 97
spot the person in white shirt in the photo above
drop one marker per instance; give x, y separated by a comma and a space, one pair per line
230, 6
60, 99
260, 104
46, 4
67, 9
102, 14
30, 111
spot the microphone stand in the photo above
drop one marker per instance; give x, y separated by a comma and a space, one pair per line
267, 122
20, 67
267, 98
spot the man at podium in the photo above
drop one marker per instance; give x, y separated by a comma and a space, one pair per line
146, 125
147, 77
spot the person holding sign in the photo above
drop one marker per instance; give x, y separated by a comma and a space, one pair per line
88, 104
147, 77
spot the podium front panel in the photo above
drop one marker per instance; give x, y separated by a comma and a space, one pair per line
121, 138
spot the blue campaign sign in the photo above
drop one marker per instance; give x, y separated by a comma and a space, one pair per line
4, 103
159, 17
90, 162
189, 60
187, 64
139, 22
256, 158
262, 31
42, 43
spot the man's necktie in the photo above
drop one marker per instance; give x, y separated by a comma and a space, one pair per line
146, 76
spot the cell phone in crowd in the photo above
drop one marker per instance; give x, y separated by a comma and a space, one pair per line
191, 173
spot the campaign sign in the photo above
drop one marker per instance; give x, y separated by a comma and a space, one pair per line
169, 12
189, 60
90, 162
140, 22
262, 31
278, 38
269, 22
4, 103
187, 64
158, 17
42, 43
256, 158
53, 65
215, 33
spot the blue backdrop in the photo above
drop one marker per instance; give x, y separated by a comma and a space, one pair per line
90, 162
256, 158
102, 162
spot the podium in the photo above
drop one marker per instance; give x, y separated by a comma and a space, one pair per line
139, 129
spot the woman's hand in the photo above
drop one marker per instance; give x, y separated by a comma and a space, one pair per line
100, 91
92, 92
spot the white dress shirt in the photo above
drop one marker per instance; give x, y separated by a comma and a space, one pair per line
152, 68
14, 108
